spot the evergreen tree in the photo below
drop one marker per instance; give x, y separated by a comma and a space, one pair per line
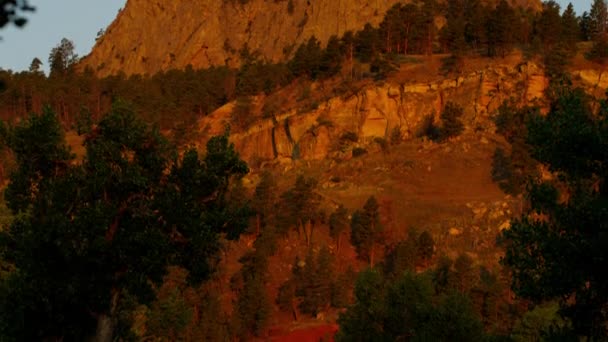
451, 120
426, 28
90, 235
598, 18
426, 246
264, 200
570, 29
11, 11
556, 248
366, 43
316, 281
499, 29
366, 230
253, 307
62, 57
400, 258
35, 65
475, 31
549, 25
363, 320
453, 33
338, 223
300, 206
585, 27
409, 15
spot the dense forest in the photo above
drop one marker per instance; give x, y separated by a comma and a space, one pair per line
126, 242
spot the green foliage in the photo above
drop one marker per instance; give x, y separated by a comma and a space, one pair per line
62, 58
499, 29
366, 230
312, 288
502, 172
168, 317
264, 200
538, 323
11, 11
299, 206
407, 309
341, 290
513, 171
451, 121
363, 319
426, 245
558, 256
90, 233
338, 223
400, 258
252, 307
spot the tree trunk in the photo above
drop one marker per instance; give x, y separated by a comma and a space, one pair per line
106, 322
105, 329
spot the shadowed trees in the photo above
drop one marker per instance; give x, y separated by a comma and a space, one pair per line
91, 234
12, 11
555, 250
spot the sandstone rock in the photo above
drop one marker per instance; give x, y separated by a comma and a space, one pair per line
455, 231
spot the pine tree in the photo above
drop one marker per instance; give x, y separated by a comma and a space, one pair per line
499, 29
338, 223
300, 206
451, 121
366, 230
570, 29
453, 33
549, 25
94, 233
264, 200
35, 65
426, 246
62, 57
599, 18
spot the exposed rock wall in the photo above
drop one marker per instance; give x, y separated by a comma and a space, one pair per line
150, 36
377, 110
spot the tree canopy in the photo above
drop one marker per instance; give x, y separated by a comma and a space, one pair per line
556, 250
88, 234
11, 11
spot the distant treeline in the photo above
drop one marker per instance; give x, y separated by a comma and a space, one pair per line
177, 97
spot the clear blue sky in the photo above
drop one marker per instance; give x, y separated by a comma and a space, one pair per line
579, 5
77, 20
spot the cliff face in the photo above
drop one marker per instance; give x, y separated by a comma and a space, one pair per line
376, 111
150, 36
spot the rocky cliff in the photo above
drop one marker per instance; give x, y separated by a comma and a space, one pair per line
378, 110
149, 36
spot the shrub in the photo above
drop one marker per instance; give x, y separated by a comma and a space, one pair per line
359, 151
349, 137
451, 120
429, 129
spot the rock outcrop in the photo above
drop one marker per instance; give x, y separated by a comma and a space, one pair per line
150, 36
376, 111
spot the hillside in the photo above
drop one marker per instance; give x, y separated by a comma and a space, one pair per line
150, 36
